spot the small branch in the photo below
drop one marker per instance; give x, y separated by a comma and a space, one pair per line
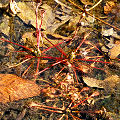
93, 16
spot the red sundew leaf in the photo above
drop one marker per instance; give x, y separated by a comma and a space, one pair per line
14, 88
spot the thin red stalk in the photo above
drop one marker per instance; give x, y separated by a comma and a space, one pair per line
50, 57
45, 57
53, 58
60, 71
58, 78
74, 117
17, 44
50, 107
87, 42
61, 117
52, 46
76, 30
37, 69
82, 42
71, 104
83, 111
66, 117
58, 48
27, 69
29, 56
97, 68
91, 67
92, 61
80, 102
51, 66
80, 45
88, 66
96, 57
96, 93
75, 73
37, 26
19, 63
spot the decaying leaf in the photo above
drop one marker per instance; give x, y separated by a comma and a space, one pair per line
109, 6
110, 32
110, 84
4, 25
14, 88
92, 82
50, 20
13, 7
115, 51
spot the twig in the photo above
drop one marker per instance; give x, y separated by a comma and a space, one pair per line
93, 16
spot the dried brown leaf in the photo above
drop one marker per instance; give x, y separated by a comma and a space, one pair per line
92, 82
50, 20
115, 51
31, 40
14, 88
110, 84
109, 6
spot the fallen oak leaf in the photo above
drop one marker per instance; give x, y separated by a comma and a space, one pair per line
14, 88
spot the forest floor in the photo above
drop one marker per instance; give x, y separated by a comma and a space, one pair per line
60, 60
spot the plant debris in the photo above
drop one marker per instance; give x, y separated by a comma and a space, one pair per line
59, 59
13, 88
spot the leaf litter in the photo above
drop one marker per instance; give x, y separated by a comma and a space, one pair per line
15, 88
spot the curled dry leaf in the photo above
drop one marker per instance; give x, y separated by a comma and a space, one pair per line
14, 88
